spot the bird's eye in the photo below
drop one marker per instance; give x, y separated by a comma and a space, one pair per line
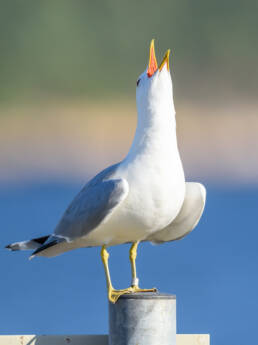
138, 82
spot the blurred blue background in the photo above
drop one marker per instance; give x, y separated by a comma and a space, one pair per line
67, 109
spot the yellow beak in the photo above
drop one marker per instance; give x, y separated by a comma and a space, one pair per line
165, 60
153, 65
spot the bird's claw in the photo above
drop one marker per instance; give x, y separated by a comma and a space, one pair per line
114, 295
136, 288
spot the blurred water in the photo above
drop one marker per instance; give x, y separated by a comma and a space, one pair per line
213, 271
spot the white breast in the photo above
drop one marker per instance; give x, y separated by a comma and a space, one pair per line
156, 193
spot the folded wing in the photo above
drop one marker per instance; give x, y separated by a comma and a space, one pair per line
188, 217
92, 206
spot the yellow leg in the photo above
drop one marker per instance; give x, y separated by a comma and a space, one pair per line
135, 280
132, 257
113, 294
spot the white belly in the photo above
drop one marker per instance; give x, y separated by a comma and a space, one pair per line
154, 200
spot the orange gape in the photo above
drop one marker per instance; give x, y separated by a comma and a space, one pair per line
153, 66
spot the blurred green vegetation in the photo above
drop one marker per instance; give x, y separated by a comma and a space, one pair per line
96, 49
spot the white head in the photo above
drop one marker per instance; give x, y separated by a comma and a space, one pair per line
154, 94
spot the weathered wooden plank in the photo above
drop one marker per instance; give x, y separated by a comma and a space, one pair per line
191, 339
181, 339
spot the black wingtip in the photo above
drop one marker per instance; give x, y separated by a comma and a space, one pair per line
10, 247
47, 245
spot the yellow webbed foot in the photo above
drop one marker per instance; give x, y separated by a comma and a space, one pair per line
136, 288
114, 294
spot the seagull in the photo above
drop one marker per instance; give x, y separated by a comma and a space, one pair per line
142, 198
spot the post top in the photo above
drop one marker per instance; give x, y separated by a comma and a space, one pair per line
147, 295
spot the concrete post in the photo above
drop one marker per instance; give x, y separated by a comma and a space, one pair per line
143, 319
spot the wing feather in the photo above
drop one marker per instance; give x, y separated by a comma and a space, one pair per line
188, 217
91, 207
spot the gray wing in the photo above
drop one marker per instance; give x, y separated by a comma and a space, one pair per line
188, 217
92, 205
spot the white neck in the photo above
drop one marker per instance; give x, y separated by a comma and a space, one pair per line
156, 131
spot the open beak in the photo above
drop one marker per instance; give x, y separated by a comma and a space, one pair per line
153, 66
165, 61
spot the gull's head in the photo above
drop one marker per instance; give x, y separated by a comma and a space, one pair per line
154, 86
